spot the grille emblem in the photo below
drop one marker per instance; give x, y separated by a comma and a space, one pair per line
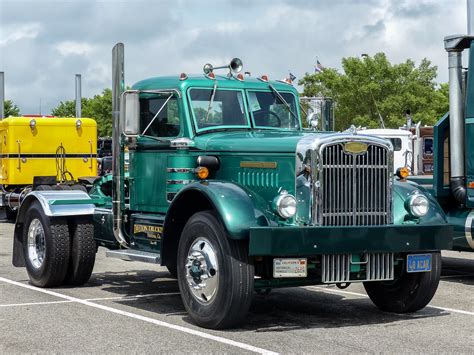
355, 147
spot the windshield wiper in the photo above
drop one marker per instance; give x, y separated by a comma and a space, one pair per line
213, 95
283, 101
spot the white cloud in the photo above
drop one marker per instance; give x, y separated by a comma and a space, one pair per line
15, 34
68, 48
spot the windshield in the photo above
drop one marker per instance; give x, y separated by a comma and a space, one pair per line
269, 111
218, 108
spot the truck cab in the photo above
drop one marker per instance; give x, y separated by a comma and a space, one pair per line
226, 189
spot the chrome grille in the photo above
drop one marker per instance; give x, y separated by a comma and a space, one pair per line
354, 188
336, 268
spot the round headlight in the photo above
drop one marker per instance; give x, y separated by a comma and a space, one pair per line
285, 205
418, 205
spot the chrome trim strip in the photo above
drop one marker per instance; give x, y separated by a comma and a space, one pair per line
179, 182
469, 227
180, 170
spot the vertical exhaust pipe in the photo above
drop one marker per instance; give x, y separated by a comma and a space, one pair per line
2, 95
78, 96
470, 17
118, 85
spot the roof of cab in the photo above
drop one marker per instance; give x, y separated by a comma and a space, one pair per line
173, 82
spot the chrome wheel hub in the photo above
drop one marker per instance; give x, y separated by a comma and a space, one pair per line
202, 271
36, 243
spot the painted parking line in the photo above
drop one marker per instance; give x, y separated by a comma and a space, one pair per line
116, 298
459, 311
179, 328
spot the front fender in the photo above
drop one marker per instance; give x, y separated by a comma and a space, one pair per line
238, 207
402, 190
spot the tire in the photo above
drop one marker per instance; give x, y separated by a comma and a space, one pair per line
79, 187
43, 188
410, 292
46, 245
83, 251
228, 292
172, 269
62, 188
10, 214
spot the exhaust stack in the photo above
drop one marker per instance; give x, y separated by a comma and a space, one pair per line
118, 85
2, 95
78, 96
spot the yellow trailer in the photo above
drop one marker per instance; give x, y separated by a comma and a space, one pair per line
44, 153
47, 146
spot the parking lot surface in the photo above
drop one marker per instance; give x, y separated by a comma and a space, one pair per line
135, 307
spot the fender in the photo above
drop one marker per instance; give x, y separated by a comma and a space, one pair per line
402, 190
238, 208
54, 204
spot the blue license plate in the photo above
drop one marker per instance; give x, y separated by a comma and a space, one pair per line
419, 263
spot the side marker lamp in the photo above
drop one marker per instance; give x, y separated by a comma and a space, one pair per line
202, 172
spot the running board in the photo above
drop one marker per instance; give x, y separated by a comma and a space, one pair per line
134, 255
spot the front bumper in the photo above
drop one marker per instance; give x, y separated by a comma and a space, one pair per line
309, 241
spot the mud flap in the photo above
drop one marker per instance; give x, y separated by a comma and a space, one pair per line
18, 259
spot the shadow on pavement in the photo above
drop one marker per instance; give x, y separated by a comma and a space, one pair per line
281, 310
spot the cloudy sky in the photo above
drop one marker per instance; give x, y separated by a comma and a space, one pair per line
43, 43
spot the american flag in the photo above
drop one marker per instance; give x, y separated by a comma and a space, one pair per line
318, 68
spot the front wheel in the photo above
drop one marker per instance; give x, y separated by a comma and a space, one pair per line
410, 292
214, 275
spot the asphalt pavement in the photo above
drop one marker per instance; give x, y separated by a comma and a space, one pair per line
135, 307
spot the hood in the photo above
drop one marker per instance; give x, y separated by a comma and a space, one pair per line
255, 141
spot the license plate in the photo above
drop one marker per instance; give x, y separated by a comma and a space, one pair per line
289, 268
419, 263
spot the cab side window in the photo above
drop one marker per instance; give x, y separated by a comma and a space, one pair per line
165, 118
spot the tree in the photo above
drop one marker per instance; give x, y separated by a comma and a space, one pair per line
11, 109
98, 107
373, 85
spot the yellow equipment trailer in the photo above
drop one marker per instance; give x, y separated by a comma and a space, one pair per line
45, 153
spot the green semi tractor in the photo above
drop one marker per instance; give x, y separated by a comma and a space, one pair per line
227, 191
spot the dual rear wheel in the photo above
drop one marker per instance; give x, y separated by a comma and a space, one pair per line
57, 252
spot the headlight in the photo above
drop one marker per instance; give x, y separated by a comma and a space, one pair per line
418, 205
285, 205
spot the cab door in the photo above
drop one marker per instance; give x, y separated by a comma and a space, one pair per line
159, 124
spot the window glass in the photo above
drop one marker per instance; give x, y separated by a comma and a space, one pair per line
270, 112
428, 146
166, 123
226, 109
397, 144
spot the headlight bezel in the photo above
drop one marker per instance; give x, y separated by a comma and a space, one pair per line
284, 205
413, 204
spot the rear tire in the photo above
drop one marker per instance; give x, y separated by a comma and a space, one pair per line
410, 292
43, 188
83, 251
46, 247
10, 214
215, 276
79, 187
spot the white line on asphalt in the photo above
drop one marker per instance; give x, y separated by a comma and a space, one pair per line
145, 319
365, 296
32, 303
118, 298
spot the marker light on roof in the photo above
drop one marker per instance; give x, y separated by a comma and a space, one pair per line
183, 76
211, 75
263, 78
240, 77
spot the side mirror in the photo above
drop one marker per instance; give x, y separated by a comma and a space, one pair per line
313, 120
130, 113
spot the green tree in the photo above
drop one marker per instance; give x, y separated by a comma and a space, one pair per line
373, 85
11, 109
98, 107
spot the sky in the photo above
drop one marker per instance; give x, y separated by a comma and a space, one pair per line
44, 43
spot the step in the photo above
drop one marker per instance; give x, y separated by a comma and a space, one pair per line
134, 255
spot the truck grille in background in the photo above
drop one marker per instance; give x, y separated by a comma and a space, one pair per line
355, 188
336, 267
